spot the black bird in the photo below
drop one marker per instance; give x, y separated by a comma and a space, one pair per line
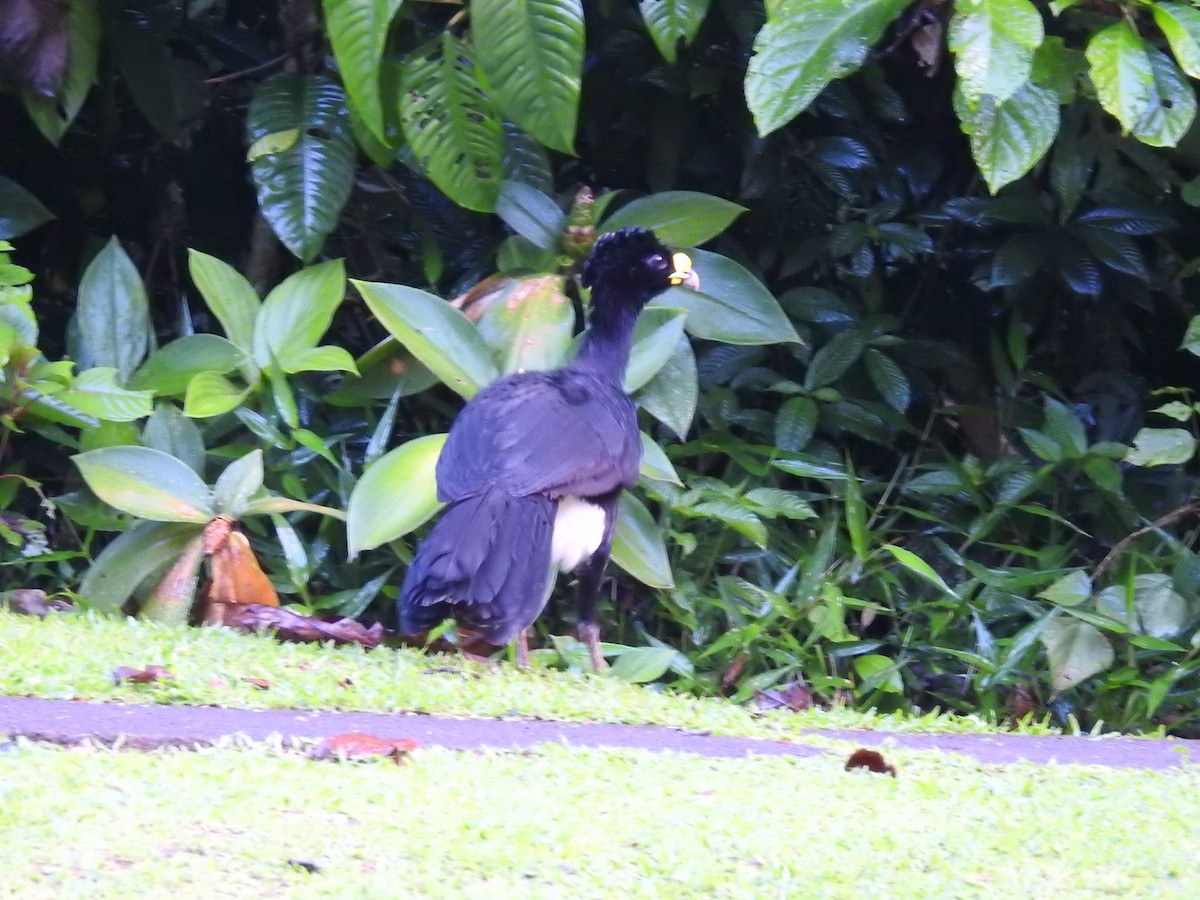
533, 467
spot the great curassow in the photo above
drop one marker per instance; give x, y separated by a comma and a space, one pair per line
533, 467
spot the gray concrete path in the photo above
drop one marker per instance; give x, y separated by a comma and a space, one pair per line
146, 727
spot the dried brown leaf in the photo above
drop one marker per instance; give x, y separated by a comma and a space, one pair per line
260, 683
356, 745
290, 626
32, 602
148, 675
872, 760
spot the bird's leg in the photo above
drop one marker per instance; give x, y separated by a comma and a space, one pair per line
523, 648
587, 590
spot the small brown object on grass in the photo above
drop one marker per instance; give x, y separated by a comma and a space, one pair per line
355, 746
148, 675
873, 760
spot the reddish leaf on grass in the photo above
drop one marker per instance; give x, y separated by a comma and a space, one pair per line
260, 683
355, 745
148, 675
871, 760
796, 696
289, 626
32, 602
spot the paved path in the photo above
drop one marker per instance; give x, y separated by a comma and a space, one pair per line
146, 727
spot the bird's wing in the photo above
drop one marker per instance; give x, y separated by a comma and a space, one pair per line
555, 433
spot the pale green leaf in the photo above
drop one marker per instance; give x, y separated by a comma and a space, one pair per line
672, 394
993, 42
146, 549
240, 481
146, 483
20, 211
358, 31
1122, 73
655, 338
1008, 138
231, 299
397, 493
212, 394
170, 369
655, 464
1161, 447
638, 544
95, 392
1181, 26
113, 314
678, 218
672, 21
1076, 651
531, 214
297, 313
529, 326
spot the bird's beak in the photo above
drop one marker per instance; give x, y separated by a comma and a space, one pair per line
684, 274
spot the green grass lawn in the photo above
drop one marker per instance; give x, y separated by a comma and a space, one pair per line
563, 822
71, 656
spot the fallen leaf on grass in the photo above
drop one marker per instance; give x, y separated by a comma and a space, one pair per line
872, 760
355, 745
31, 602
148, 675
260, 683
290, 626
796, 696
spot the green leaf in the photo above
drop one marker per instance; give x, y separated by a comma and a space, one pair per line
1042, 445
146, 483
168, 90
232, 300
452, 124
833, 359
993, 42
1181, 26
113, 314
301, 190
805, 45
1172, 107
169, 370
1008, 138
50, 407
638, 544
919, 567
265, 505
526, 161
212, 394
276, 142
1076, 651
672, 21
297, 313
1161, 447
639, 665
1121, 72
241, 480
95, 392
285, 400
795, 423
397, 493
655, 337
672, 394
529, 327
436, 333
878, 673
1159, 610
889, 379
1070, 590
532, 54
731, 306
170, 431
384, 369
531, 214
1191, 337
320, 359
742, 520
146, 549
655, 464
20, 211
678, 218
358, 31
856, 515
1063, 426
54, 115
774, 502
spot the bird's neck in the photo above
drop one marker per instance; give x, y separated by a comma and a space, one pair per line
609, 339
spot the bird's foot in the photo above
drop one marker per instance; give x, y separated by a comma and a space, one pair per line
589, 633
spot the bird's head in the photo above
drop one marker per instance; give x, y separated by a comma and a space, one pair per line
632, 264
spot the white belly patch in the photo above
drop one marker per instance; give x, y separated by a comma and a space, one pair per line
578, 530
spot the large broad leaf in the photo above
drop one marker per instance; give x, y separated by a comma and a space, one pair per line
655, 338
639, 665
1121, 72
833, 359
302, 189
383, 370
1172, 108
297, 313
54, 115
113, 315
212, 394
1158, 609
805, 45
993, 42
144, 550
671, 395
526, 161
241, 480
731, 306
170, 369
397, 493
1009, 137
230, 297
1076, 651
678, 218
638, 544
1181, 25
20, 211
655, 464
530, 326
1161, 447
146, 483
531, 214
672, 21
436, 333
532, 54
358, 30
171, 432
95, 392
451, 123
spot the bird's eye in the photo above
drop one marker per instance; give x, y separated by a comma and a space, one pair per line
658, 259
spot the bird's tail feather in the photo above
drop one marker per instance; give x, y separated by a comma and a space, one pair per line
486, 563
